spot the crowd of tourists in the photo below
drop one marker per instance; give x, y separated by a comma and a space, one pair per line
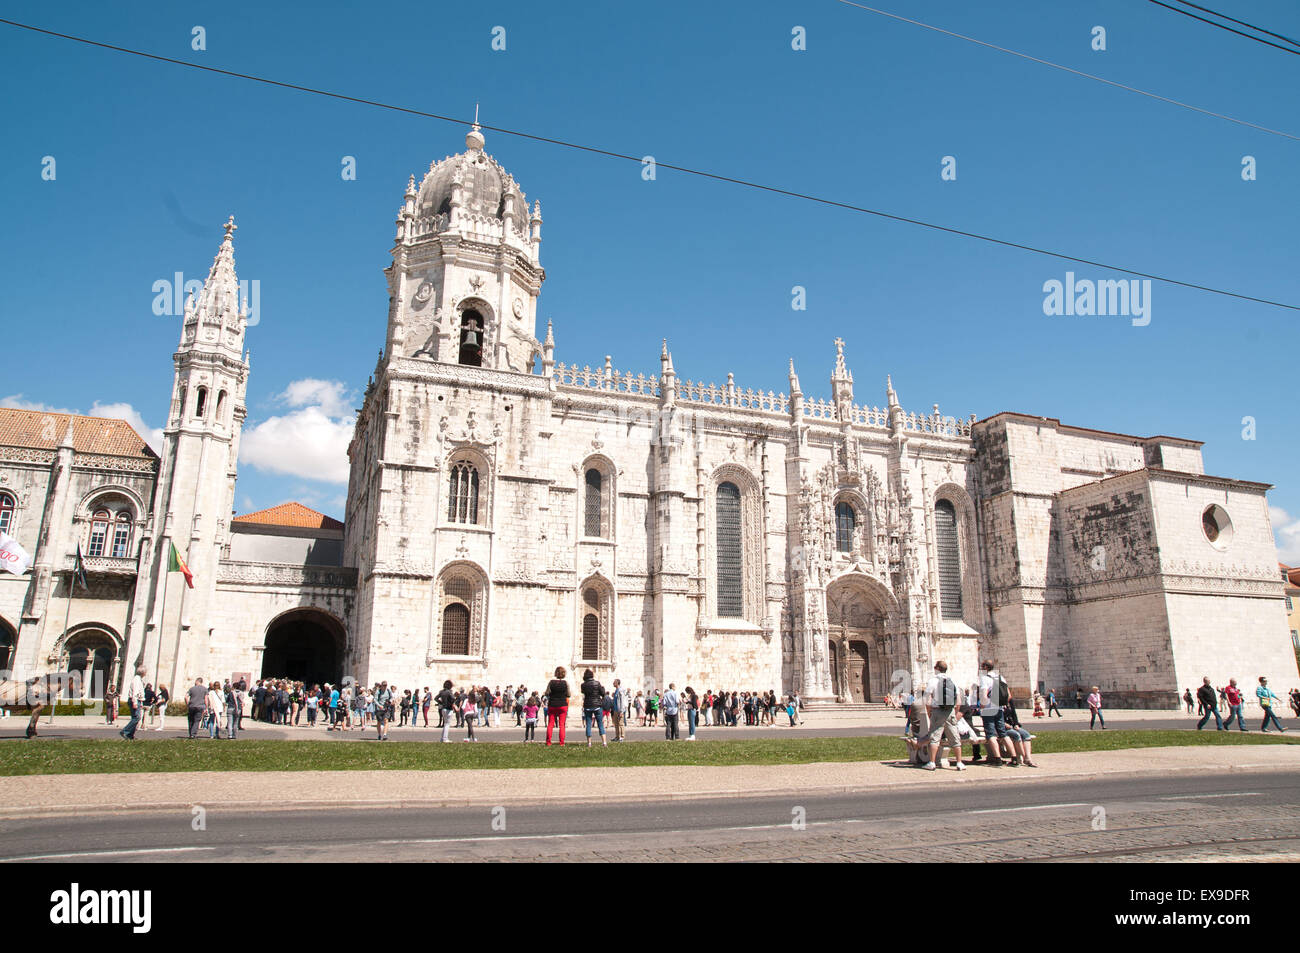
219, 707
942, 716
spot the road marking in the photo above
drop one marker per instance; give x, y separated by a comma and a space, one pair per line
104, 853
1036, 807
1190, 797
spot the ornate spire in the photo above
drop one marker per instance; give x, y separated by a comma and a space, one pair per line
474, 139
220, 294
794, 380
841, 371
891, 398
550, 335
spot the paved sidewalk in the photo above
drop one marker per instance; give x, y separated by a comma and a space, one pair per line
270, 790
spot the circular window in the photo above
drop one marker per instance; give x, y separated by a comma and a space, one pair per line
1217, 526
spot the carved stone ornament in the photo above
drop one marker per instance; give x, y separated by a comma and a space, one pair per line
424, 293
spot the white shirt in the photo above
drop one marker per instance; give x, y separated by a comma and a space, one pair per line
216, 701
989, 693
137, 690
932, 690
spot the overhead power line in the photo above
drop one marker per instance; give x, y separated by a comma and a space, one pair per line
1070, 69
714, 176
1293, 48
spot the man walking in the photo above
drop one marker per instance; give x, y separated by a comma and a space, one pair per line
1235, 699
1052, 706
617, 702
196, 703
134, 698
670, 703
1209, 704
1268, 702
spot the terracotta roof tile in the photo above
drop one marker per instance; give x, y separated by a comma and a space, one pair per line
45, 431
290, 514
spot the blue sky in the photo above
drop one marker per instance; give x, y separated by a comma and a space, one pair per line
152, 158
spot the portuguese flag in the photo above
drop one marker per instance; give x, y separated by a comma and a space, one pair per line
176, 564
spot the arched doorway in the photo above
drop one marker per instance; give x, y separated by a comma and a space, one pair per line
856, 616
91, 658
8, 644
304, 645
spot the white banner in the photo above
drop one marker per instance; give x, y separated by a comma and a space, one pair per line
13, 558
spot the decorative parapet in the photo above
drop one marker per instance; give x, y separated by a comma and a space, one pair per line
728, 395
116, 565
607, 379
105, 461
232, 572
26, 455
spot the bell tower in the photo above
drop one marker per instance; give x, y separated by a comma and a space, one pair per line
196, 486
466, 271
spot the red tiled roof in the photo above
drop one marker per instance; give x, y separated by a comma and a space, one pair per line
45, 431
290, 514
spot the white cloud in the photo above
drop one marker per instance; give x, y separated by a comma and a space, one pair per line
118, 410
152, 435
1286, 531
330, 396
17, 402
309, 442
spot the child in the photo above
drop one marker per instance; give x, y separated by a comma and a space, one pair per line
530, 718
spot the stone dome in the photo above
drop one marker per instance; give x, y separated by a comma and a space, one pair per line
484, 185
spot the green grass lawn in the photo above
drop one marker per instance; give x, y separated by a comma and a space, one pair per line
40, 756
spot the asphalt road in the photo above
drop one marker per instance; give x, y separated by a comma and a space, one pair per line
1123, 818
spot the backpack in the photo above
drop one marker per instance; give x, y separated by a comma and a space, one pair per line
1004, 693
947, 692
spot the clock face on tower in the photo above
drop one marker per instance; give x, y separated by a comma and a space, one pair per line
519, 307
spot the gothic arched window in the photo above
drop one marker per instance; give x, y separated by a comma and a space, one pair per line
455, 629
201, 403
221, 408
948, 558
462, 496
99, 524
471, 338
593, 505
731, 600
846, 521
591, 624
7, 506
121, 535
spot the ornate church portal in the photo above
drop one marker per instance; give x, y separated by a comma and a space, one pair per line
857, 643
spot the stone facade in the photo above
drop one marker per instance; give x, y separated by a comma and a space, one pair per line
507, 513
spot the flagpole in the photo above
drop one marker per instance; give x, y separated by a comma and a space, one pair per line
162, 621
67, 614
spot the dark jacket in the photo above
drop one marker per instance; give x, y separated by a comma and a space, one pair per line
592, 693
1207, 697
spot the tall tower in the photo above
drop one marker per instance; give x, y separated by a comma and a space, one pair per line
465, 275
196, 487
450, 443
